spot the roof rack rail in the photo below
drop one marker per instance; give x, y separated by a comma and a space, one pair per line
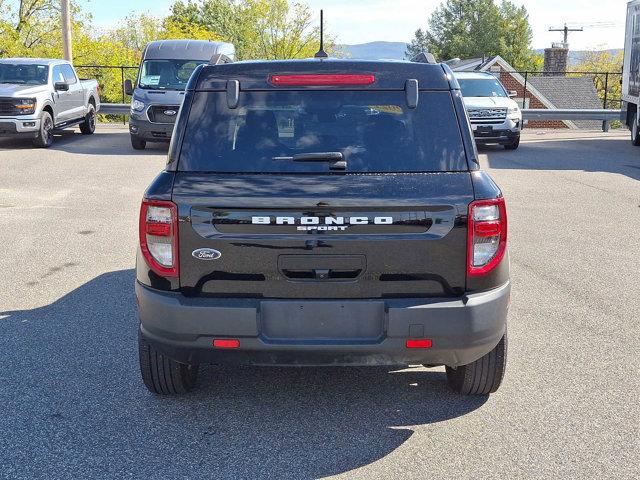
424, 57
220, 58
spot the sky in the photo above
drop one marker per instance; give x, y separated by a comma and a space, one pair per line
361, 21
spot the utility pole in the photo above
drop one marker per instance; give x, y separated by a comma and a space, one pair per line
66, 30
566, 31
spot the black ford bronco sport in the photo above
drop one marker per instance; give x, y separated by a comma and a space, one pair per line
323, 212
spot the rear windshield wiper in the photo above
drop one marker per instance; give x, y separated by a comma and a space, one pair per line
335, 158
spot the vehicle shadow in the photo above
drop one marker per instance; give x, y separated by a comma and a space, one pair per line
590, 153
107, 140
76, 402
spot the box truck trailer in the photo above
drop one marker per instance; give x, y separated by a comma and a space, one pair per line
631, 72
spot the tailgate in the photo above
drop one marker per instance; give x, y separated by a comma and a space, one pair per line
323, 236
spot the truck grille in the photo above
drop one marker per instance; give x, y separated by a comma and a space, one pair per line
163, 113
487, 115
7, 106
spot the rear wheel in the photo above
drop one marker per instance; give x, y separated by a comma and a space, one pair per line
513, 145
162, 375
138, 143
482, 376
89, 125
635, 131
45, 135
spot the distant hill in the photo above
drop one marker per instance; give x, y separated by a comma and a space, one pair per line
575, 56
375, 50
395, 50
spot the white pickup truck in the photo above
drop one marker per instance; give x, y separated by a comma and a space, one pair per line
39, 96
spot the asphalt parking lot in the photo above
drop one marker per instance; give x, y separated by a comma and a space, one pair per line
74, 406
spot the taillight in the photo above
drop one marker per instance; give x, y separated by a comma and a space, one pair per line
320, 80
159, 236
487, 237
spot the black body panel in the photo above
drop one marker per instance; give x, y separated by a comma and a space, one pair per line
419, 250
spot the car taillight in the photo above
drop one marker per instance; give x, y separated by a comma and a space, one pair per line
487, 237
321, 80
159, 236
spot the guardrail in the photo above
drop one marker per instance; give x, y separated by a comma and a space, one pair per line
115, 108
570, 114
605, 116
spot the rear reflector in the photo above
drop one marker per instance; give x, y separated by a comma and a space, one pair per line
487, 229
420, 343
320, 80
226, 343
159, 229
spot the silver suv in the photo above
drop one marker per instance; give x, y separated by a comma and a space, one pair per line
495, 117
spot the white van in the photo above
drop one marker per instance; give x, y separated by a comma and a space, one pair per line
164, 72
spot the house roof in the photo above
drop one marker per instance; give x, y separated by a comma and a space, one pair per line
569, 92
465, 65
473, 75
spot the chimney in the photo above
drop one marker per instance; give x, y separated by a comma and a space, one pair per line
555, 60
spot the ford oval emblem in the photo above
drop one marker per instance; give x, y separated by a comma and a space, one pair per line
206, 254
170, 113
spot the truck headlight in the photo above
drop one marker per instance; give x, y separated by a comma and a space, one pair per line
513, 111
137, 105
25, 106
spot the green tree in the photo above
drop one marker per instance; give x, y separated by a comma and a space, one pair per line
476, 28
516, 36
604, 61
267, 29
419, 43
27, 26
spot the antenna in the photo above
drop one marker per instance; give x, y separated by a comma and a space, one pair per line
321, 53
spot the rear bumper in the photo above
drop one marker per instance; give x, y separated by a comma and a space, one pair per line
151, 132
461, 329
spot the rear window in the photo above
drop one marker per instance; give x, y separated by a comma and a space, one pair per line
374, 131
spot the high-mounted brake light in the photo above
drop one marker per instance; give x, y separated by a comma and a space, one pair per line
487, 235
159, 236
320, 80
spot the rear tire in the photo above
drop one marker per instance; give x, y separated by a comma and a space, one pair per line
513, 145
162, 375
45, 135
138, 143
483, 376
635, 131
89, 125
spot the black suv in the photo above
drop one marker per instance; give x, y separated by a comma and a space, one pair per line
323, 212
